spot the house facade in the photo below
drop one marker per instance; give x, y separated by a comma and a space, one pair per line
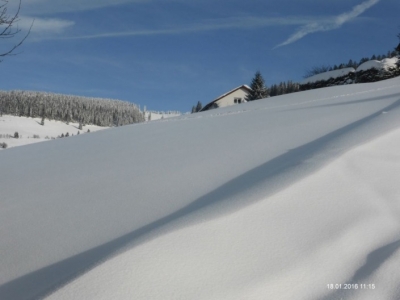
235, 96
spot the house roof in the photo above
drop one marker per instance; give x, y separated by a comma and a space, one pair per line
244, 86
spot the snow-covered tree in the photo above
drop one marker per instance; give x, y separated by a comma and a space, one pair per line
101, 112
258, 88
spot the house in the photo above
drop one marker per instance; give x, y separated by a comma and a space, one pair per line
235, 96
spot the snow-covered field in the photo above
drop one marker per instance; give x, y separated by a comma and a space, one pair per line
291, 197
30, 131
157, 115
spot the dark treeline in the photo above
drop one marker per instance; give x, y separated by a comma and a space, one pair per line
68, 108
283, 88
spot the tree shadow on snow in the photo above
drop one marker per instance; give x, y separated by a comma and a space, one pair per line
375, 260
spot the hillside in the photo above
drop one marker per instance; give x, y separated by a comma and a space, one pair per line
69, 108
30, 131
272, 199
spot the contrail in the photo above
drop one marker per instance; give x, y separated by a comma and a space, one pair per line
335, 23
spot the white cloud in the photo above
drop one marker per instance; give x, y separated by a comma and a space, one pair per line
327, 25
43, 27
207, 25
59, 6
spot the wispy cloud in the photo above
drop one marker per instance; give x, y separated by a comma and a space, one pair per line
327, 25
41, 7
43, 27
207, 25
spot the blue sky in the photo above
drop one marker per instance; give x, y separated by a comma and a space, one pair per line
169, 54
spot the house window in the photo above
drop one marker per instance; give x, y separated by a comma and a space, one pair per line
237, 100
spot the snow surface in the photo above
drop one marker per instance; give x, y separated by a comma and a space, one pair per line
27, 128
327, 75
385, 64
157, 115
272, 199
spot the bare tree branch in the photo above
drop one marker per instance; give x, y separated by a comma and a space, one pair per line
9, 26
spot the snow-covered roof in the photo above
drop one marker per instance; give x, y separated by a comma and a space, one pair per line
384, 64
244, 86
328, 75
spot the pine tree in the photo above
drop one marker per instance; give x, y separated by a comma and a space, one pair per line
350, 64
258, 88
397, 49
196, 108
363, 60
199, 106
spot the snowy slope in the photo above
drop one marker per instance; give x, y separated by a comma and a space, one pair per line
30, 131
328, 75
273, 199
385, 64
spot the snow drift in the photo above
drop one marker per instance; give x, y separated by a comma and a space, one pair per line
291, 197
